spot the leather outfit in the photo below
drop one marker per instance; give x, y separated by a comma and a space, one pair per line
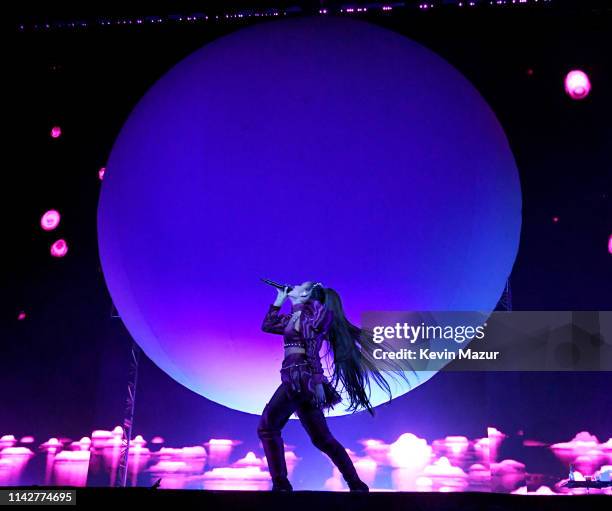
300, 372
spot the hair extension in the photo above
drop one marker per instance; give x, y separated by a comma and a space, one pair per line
353, 366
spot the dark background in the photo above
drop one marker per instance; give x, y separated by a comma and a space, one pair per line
64, 368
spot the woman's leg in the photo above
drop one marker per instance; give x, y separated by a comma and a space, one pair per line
275, 415
315, 424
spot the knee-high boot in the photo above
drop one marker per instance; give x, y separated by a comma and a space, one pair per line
342, 460
274, 449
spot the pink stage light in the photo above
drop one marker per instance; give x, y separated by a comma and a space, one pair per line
409, 452
68, 462
453, 448
506, 475
70, 468
7, 441
101, 173
442, 476
585, 451
56, 132
236, 479
495, 438
376, 450
21, 316
59, 248
219, 450
610, 244
50, 220
577, 84
555, 219
14, 462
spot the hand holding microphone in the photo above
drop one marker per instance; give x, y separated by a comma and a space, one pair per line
281, 296
282, 291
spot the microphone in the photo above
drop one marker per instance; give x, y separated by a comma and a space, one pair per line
277, 285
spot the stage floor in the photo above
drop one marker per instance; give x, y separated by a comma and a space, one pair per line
321, 500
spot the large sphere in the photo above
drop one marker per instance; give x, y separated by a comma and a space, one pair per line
305, 149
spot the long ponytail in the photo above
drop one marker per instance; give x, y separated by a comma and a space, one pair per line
353, 365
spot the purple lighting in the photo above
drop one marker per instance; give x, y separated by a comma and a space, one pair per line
412, 463
360, 160
50, 220
56, 132
59, 248
577, 84
610, 244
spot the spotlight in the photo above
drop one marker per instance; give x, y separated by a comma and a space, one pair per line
56, 132
50, 220
577, 84
101, 173
59, 248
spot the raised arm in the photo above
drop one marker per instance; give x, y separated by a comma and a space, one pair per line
274, 322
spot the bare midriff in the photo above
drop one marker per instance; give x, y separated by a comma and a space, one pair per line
289, 350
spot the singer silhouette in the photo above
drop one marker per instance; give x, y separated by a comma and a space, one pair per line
316, 316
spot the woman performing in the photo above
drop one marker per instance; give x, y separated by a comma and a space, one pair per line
317, 315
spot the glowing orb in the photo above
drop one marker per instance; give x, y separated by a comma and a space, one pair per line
21, 316
56, 132
59, 248
311, 148
610, 244
101, 173
577, 84
50, 220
